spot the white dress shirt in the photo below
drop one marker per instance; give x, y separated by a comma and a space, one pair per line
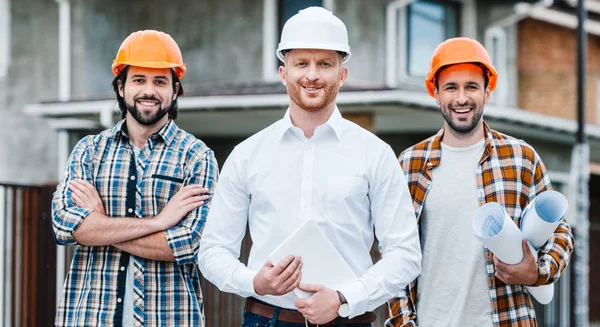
344, 177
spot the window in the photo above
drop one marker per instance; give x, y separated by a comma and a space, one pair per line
4, 37
428, 23
275, 14
496, 42
413, 31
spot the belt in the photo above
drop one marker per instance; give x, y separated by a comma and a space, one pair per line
293, 316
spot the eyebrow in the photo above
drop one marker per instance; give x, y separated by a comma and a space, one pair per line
470, 83
327, 58
144, 76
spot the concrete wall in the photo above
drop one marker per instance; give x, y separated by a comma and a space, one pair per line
28, 146
221, 40
365, 21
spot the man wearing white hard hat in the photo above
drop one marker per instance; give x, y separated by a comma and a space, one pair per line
311, 165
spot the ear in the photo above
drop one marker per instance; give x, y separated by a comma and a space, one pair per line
343, 75
176, 91
436, 94
120, 88
487, 95
283, 74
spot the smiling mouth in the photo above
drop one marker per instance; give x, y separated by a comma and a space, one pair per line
462, 110
311, 88
147, 103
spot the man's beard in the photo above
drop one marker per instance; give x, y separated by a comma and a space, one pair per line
295, 90
463, 129
151, 119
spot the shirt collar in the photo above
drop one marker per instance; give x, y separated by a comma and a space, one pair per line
335, 122
436, 146
167, 132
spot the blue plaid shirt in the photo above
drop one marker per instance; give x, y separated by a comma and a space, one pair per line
165, 293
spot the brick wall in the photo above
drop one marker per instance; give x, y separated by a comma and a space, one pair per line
547, 64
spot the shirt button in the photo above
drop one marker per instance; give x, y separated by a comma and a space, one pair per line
123, 268
130, 210
132, 178
119, 300
428, 182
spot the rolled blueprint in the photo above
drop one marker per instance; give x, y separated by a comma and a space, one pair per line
498, 232
542, 216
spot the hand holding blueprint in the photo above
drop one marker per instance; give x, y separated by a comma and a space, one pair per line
498, 232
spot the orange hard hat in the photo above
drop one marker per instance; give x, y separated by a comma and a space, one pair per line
459, 50
150, 49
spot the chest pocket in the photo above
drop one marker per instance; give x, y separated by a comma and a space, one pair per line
164, 188
346, 196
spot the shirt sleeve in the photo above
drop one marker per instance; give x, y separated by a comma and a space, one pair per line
66, 214
220, 246
402, 308
396, 229
555, 255
184, 238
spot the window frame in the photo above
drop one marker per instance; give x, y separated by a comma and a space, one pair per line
5, 22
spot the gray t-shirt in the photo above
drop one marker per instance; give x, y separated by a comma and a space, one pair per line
453, 287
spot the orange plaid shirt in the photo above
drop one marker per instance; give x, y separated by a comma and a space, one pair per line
511, 173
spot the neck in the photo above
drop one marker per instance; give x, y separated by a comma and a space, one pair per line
139, 133
308, 121
460, 140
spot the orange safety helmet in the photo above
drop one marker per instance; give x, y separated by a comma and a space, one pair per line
150, 49
459, 50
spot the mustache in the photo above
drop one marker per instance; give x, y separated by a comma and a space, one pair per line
468, 104
147, 98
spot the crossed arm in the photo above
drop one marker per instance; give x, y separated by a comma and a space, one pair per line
79, 216
142, 237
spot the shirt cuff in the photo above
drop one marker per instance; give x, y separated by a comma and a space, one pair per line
357, 296
243, 279
181, 242
69, 220
543, 274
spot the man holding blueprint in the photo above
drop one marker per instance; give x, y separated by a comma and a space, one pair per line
450, 175
311, 167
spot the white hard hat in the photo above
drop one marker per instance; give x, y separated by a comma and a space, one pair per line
314, 28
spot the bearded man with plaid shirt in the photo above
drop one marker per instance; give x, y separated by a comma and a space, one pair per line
134, 200
462, 283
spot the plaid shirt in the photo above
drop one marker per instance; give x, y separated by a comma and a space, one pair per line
164, 293
511, 173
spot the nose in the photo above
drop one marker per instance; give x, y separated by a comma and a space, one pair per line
462, 98
149, 90
313, 74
